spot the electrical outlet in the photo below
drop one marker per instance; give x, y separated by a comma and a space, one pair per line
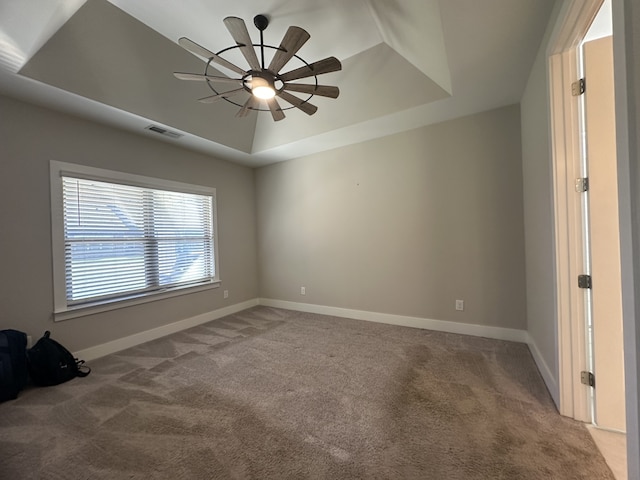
225, 294
303, 290
460, 305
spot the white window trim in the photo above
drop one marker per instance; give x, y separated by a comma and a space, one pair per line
61, 311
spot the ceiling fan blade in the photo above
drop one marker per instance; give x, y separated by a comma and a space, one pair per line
196, 49
292, 41
238, 30
252, 102
276, 111
327, 65
322, 90
200, 77
306, 107
220, 96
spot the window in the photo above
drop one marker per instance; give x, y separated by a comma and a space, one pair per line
124, 238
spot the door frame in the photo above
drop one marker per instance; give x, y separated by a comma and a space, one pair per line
573, 23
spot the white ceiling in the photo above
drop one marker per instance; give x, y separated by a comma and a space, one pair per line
602, 25
406, 63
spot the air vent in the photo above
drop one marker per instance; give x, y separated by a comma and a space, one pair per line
163, 131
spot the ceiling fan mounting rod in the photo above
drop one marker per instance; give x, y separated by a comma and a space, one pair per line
262, 49
261, 22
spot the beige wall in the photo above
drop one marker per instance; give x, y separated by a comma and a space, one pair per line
31, 136
405, 224
538, 212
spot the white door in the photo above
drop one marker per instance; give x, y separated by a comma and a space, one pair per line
608, 358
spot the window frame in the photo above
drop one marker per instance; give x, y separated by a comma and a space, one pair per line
61, 309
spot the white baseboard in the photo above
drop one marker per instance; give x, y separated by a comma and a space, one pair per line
497, 333
545, 371
114, 346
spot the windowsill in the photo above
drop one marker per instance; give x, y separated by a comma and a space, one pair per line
90, 309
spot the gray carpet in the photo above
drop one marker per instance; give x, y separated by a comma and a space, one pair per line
275, 394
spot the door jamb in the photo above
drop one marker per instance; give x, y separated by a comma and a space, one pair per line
573, 22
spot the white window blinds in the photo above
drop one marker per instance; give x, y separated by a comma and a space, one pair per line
123, 240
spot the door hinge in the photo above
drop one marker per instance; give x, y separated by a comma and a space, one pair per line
588, 378
584, 281
582, 184
578, 87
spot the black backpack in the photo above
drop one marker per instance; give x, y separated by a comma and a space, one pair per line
13, 363
50, 363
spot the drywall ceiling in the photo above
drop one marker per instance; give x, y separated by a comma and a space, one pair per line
602, 25
406, 63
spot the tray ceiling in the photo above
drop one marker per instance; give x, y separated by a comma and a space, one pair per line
406, 63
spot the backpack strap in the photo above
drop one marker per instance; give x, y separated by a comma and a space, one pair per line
83, 370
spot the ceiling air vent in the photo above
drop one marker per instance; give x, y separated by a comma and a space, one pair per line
163, 131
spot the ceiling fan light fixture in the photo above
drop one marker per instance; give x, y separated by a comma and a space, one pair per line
262, 88
264, 93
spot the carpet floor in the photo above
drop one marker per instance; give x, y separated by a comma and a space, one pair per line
275, 394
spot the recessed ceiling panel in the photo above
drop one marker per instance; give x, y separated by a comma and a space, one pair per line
374, 83
414, 30
341, 28
26, 26
104, 54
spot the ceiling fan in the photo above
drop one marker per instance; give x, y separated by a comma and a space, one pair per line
264, 83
